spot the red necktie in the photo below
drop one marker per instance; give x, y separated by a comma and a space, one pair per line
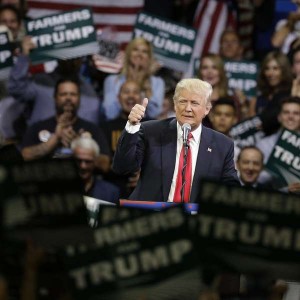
188, 175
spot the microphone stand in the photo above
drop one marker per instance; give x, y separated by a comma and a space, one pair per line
185, 149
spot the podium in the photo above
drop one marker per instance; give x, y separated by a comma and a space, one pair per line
191, 208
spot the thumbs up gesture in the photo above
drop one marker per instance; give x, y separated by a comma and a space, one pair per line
138, 112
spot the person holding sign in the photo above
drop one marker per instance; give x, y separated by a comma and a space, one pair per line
137, 66
289, 118
156, 148
36, 92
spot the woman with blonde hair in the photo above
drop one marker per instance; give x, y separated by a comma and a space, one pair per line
212, 70
138, 66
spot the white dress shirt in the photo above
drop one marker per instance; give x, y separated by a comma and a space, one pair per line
194, 146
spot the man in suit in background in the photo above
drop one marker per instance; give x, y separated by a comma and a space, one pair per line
155, 148
250, 162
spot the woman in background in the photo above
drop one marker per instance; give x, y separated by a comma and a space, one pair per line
138, 66
274, 83
212, 70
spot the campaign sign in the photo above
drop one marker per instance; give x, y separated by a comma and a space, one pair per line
137, 254
42, 203
284, 161
242, 75
6, 56
172, 43
62, 36
247, 132
47, 196
249, 230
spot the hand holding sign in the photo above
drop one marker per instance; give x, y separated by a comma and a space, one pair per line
27, 45
138, 112
294, 187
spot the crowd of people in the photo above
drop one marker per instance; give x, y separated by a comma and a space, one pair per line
60, 114
28, 108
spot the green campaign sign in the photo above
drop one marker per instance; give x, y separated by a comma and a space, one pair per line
47, 194
242, 75
249, 230
6, 56
63, 36
284, 161
136, 254
248, 132
173, 43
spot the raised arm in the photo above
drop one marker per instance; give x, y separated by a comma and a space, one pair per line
111, 104
20, 85
131, 146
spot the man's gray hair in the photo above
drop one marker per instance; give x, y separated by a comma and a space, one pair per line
196, 86
86, 142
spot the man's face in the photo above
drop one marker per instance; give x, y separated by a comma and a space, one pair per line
9, 18
67, 98
190, 108
289, 116
85, 159
223, 118
230, 47
129, 96
250, 165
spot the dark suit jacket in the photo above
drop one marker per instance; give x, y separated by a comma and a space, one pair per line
153, 149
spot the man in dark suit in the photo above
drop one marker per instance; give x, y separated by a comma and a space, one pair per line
250, 162
155, 147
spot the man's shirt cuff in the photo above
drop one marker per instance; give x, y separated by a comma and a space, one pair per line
132, 128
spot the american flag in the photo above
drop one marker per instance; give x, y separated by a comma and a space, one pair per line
211, 18
116, 16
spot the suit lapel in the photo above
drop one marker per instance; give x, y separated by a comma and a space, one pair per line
168, 146
203, 162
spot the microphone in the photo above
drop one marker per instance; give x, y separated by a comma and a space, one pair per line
186, 129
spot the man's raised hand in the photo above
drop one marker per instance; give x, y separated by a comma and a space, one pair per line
138, 112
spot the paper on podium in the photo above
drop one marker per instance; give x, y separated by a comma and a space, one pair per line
93, 206
93, 203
